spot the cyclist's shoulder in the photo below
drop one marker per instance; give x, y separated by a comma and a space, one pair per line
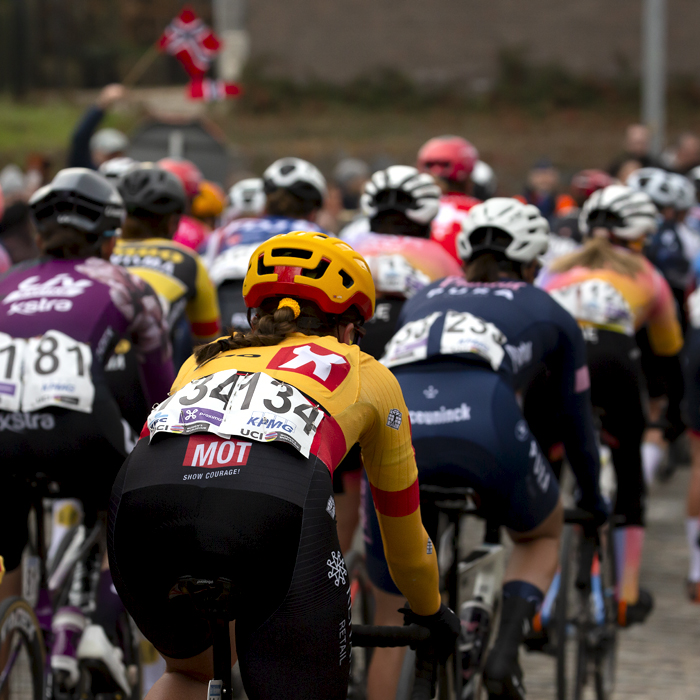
320, 366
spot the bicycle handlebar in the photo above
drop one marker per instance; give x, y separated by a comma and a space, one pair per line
385, 636
578, 516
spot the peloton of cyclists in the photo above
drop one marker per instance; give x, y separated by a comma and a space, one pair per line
464, 346
61, 317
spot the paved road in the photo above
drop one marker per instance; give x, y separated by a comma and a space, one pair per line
661, 659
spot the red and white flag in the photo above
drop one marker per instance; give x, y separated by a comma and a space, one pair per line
212, 90
191, 41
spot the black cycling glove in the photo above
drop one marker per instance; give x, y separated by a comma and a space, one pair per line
444, 629
598, 506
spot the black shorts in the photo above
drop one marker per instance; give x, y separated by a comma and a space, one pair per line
468, 430
617, 394
258, 514
82, 452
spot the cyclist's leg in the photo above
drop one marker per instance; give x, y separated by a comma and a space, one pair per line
616, 384
14, 512
303, 649
541, 399
653, 446
532, 512
14, 534
691, 364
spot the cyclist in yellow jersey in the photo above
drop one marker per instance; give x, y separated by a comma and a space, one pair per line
612, 290
236, 481
154, 200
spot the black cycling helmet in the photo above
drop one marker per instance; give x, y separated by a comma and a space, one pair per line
148, 189
79, 198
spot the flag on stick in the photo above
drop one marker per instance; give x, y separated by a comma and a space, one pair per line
212, 90
191, 41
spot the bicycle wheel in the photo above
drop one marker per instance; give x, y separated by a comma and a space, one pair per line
362, 602
569, 633
606, 645
22, 675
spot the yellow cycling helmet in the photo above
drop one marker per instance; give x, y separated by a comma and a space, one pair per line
310, 265
209, 201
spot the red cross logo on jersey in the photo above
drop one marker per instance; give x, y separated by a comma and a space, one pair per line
326, 367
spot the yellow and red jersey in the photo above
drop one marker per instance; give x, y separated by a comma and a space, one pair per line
178, 276
613, 301
363, 404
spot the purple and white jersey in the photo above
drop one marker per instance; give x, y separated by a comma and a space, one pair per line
93, 302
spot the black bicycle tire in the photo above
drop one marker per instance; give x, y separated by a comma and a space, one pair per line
17, 617
561, 612
606, 665
581, 656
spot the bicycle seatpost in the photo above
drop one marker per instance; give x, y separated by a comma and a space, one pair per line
222, 656
213, 599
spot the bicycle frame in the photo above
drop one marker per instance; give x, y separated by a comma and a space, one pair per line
46, 591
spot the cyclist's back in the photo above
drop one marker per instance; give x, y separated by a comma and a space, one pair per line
254, 500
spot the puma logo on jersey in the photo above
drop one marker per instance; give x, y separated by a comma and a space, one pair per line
314, 361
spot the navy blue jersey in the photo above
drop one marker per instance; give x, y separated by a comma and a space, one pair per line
513, 328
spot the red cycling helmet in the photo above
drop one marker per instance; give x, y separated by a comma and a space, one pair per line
586, 182
448, 157
189, 174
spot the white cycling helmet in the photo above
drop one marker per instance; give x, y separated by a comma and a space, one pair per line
484, 180
504, 225
114, 168
298, 176
665, 189
404, 189
630, 214
109, 141
694, 176
247, 197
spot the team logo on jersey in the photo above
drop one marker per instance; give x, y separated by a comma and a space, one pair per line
313, 361
62, 285
212, 452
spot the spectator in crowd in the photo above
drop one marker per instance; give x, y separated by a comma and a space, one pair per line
13, 184
90, 148
541, 189
637, 147
17, 235
687, 153
625, 168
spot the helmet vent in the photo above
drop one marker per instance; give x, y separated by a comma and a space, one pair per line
264, 269
490, 237
318, 271
292, 253
347, 280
